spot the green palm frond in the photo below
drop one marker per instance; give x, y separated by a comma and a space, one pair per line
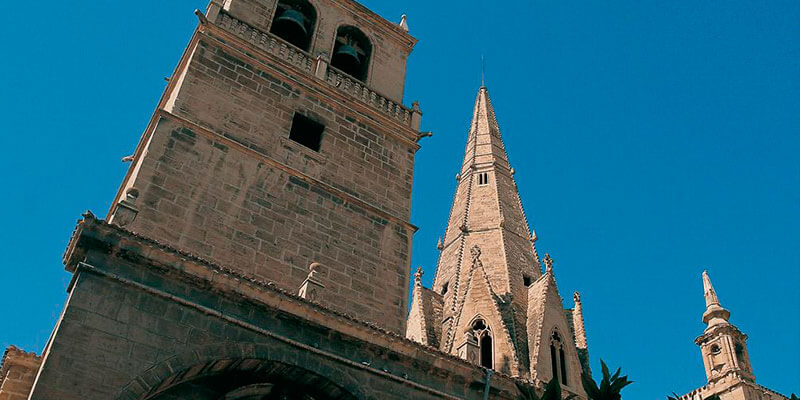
610, 386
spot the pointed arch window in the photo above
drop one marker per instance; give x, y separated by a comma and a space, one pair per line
558, 359
485, 343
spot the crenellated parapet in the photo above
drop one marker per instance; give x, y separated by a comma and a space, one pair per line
18, 370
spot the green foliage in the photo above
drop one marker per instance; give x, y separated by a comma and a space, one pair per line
552, 391
610, 386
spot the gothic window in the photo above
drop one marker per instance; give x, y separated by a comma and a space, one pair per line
483, 178
306, 131
444, 288
294, 22
558, 360
351, 52
486, 348
715, 349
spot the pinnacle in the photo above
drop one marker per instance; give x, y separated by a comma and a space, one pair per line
715, 314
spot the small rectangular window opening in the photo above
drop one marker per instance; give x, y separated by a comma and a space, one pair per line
306, 131
444, 288
527, 280
483, 178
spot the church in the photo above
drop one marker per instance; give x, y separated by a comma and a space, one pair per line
259, 246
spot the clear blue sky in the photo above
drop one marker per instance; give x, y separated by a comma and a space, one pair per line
651, 140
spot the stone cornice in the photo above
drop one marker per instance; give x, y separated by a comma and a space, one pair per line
720, 330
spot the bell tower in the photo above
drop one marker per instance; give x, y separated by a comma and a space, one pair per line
282, 141
723, 345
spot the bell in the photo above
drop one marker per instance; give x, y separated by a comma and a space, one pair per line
293, 20
347, 54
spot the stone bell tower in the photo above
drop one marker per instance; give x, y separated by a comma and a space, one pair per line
723, 345
729, 374
282, 141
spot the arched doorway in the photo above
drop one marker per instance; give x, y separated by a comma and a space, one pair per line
248, 379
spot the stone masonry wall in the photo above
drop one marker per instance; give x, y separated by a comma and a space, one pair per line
219, 178
141, 314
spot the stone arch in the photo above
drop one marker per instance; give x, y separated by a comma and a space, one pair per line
357, 61
245, 365
295, 21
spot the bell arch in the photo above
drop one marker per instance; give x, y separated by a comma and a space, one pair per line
294, 21
243, 372
352, 52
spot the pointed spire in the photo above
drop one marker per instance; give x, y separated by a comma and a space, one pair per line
487, 237
715, 314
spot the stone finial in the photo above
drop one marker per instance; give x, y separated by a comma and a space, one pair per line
311, 289
418, 276
439, 244
403, 23
126, 210
548, 264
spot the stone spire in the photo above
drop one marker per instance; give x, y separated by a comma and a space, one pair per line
723, 345
487, 212
715, 314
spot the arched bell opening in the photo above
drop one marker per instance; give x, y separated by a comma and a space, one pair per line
294, 22
351, 52
248, 379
